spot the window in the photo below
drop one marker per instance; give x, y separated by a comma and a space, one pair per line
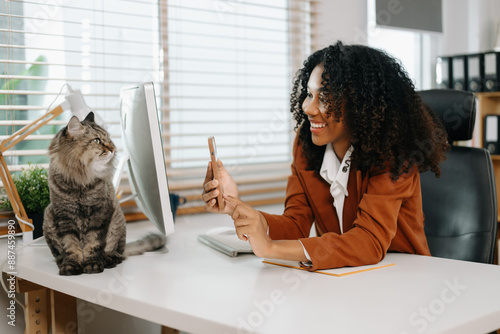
229, 68
220, 68
96, 47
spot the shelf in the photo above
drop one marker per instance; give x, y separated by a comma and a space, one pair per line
487, 94
489, 104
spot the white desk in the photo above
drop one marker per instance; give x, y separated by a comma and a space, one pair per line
199, 290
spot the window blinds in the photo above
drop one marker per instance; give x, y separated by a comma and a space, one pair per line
229, 72
94, 46
220, 68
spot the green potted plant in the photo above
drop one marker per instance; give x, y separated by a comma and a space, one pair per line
33, 188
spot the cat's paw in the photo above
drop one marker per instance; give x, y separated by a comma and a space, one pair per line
112, 260
68, 268
92, 266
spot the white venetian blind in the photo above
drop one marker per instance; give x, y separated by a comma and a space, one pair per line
220, 68
228, 71
94, 46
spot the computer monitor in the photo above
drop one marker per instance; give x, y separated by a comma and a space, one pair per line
146, 163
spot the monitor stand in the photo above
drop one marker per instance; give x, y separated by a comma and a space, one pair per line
118, 176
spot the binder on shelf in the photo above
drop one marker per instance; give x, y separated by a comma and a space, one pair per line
443, 72
459, 72
491, 134
491, 71
475, 66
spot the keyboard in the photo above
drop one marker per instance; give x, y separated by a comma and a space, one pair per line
225, 240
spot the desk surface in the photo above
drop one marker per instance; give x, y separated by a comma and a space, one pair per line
198, 290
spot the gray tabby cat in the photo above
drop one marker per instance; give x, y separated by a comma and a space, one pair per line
84, 225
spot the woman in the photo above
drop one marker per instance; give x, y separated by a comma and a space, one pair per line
363, 137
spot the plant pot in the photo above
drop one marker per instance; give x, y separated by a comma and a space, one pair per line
37, 218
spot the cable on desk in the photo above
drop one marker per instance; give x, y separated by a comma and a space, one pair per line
5, 262
21, 233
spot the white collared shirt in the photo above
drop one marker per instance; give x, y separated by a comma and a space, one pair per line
337, 175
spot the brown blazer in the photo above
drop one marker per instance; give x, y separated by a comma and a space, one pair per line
380, 215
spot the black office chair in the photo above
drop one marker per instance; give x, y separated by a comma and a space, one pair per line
460, 207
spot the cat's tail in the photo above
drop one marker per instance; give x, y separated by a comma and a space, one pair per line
147, 243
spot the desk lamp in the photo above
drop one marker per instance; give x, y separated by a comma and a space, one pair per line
73, 101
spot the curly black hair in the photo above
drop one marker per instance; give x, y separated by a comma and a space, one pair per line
368, 90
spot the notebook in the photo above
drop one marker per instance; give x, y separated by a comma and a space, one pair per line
337, 272
225, 240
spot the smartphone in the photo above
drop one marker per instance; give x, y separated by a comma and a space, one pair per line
215, 169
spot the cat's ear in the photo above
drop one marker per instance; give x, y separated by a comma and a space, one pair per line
90, 117
74, 127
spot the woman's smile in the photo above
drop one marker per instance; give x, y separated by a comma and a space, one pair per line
317, 127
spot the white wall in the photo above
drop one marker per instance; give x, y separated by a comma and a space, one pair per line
468, 26
339, 20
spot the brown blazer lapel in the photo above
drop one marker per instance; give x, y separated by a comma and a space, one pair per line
359, 184
318, 194
351, 202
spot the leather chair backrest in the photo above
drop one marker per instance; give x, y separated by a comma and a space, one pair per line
460, 207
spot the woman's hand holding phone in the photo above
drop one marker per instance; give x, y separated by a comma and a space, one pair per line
217, 182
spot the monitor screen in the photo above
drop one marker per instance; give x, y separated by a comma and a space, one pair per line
146, 164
